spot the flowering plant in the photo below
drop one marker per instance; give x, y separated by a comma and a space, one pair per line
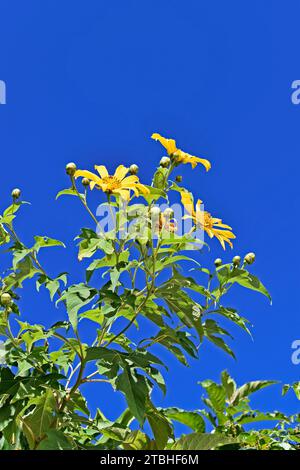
134, 270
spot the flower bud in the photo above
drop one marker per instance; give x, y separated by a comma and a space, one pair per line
250, 258
134, 169
5, 299
71, 169
236, 260
155, 212
85, 182
218, 262
169, 213
165, 162
178, 178
16, 193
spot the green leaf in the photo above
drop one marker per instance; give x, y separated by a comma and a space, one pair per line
295, 387
9, 213
257, 416
52, 285
160, 425
19, 255
68, 192
160, 178
135, 389
4, 235
243, 278
25, 270
202, 441
154, 194
192, 419
232, 315
187, 310
228, 383
43, 242
245, 390
38, 421
91, 242
137, 440
220, 343
169, 260
55, 440
96, 315
172, 338
76, 297
105, 262
216, 394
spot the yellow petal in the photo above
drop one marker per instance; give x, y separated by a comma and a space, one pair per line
187, 201
221, 225
130, 180
102, 171
209, 232
220, 240
88, 174
135, 190
169, 144
205, 163
121, 172
124, 193
183, 157
142, 189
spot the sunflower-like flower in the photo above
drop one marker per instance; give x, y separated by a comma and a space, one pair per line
178, 155
212, 226
117, 184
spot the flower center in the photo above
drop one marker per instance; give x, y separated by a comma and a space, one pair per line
208, 221
111, 183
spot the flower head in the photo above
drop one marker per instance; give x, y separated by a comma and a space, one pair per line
178, 155
117, 184
213, 227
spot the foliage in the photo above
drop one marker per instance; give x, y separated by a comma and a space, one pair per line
130, 273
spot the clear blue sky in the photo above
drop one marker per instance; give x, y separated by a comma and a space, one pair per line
90, 81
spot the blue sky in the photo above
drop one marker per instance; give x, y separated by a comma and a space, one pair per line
90, 81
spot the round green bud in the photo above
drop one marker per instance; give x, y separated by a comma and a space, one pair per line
134, 169
16, 193
85, 182
178, 178
71, 169
236, 260
5, 299
249, 258
165, 162
218, 262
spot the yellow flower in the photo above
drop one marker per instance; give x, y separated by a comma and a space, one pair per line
212, 226
118, 184
178, 155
